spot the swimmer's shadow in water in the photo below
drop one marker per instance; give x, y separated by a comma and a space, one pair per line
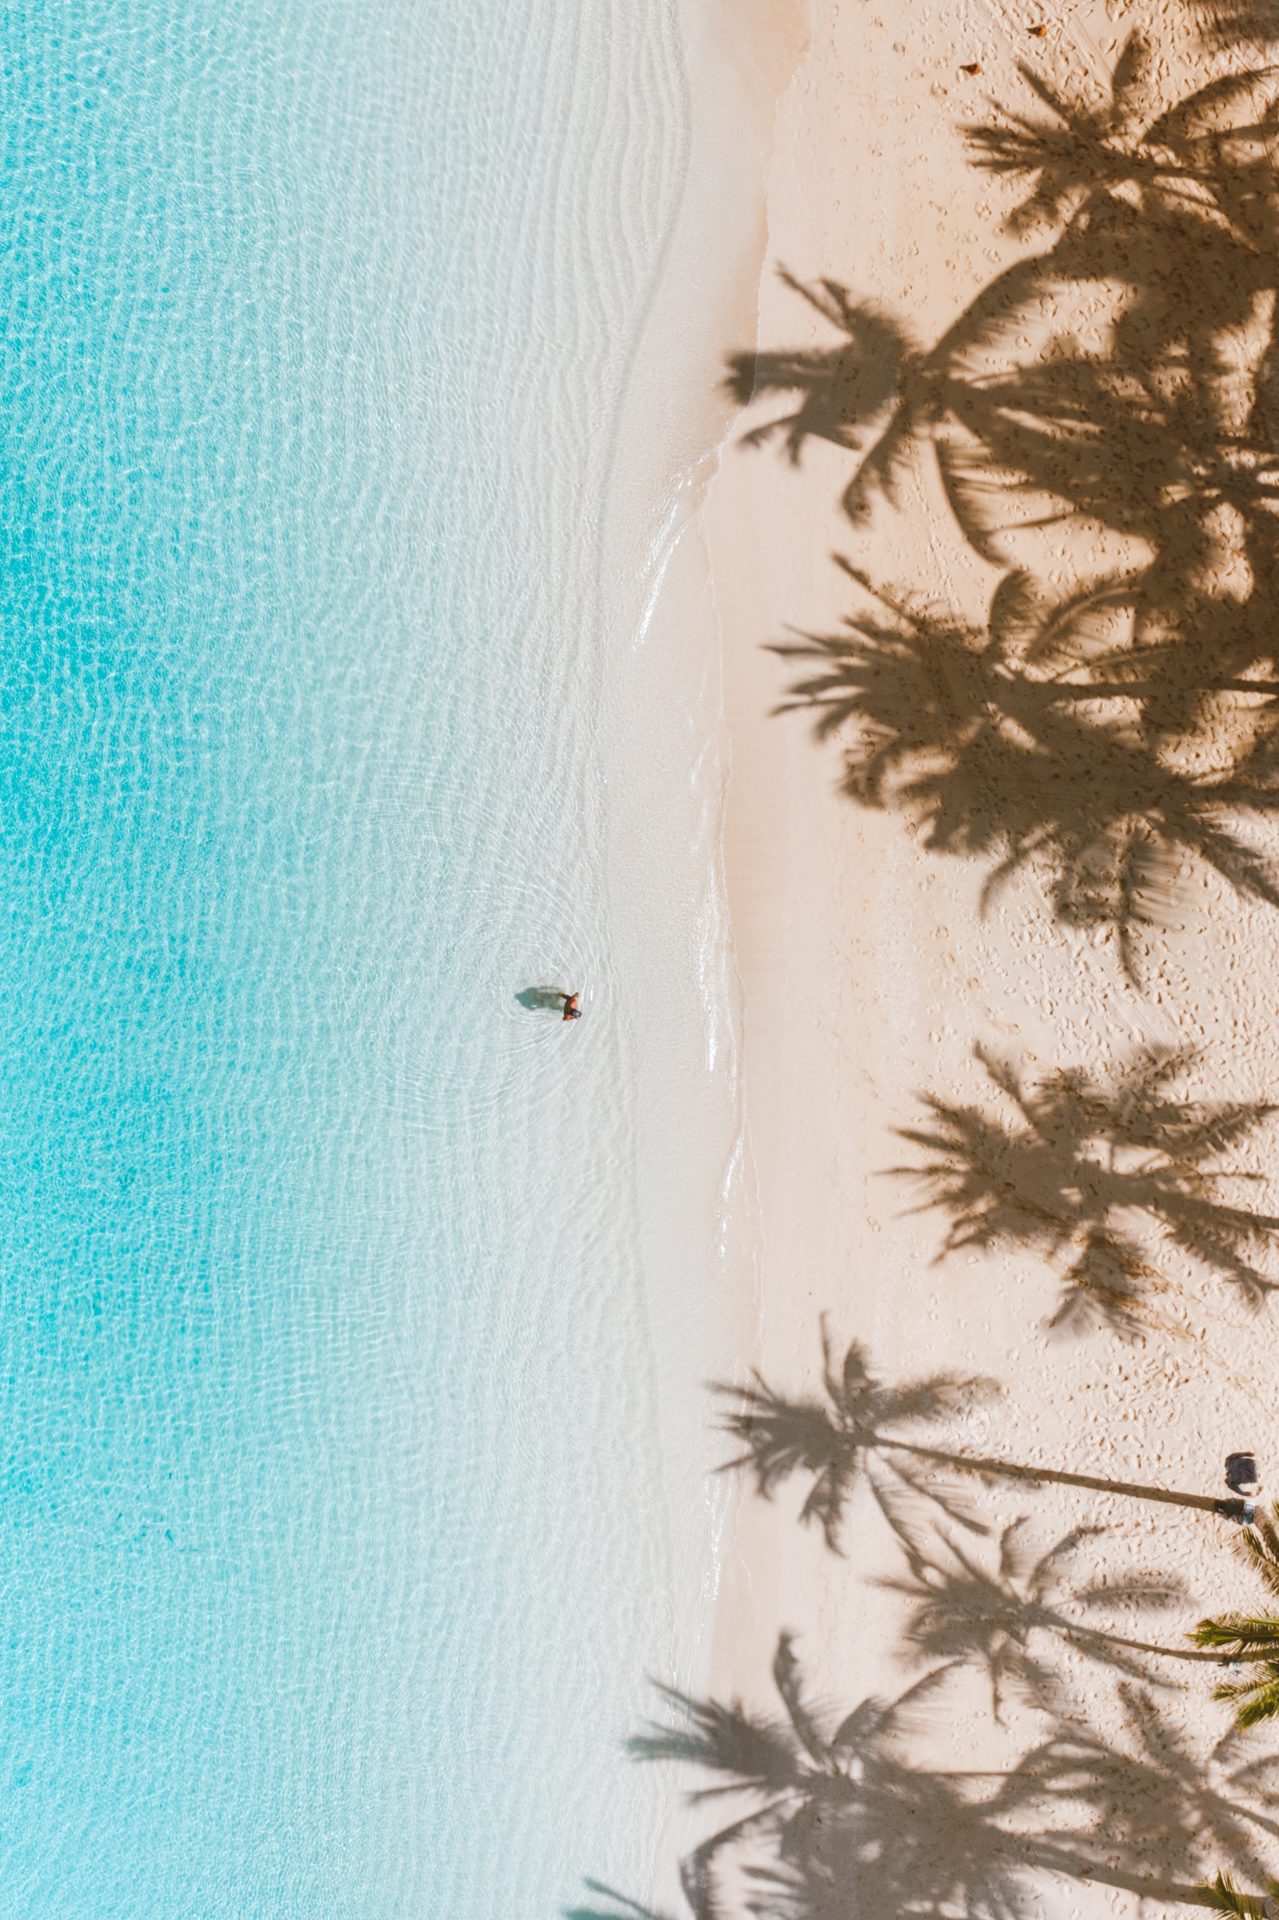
541, 999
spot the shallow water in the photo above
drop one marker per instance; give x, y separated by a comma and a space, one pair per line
338, 1534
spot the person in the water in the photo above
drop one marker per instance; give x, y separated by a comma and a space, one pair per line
571, 1009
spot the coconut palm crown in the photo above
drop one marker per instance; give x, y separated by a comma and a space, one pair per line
1251, 1637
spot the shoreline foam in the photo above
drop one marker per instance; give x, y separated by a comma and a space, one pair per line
669, 898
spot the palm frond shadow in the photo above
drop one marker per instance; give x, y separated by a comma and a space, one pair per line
1138, 201
1112, 733
837, 1443
965, 1612
1106, 147
854, 1437
1225, 23
839, 390
829, 1815
1115, 389
1070, 1163
1027, 772
1076, 152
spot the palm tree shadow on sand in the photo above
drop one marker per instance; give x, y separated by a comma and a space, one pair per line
1225, 23
966, 1613
828, 1815
1111, 732
838, 390
863, 1428
1027, 770
1108, 735
1072, 1162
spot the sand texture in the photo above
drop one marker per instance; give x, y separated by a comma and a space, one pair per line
994, 554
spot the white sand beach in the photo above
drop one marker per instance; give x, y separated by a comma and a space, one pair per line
1118, 979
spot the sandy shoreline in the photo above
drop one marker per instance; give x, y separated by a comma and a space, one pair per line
871, 972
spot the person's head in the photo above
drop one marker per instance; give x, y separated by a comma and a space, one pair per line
572, 1011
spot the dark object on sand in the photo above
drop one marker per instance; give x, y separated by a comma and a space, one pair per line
1245, 1482
1241, 1474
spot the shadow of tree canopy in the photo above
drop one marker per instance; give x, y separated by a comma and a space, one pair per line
1107, 730
839, 389
830, 1816
858, 1434
999, 760
822, 1815
1072, 1161
863, 1427
1223, 23
966, 1613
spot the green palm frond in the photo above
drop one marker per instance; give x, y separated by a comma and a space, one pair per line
1258, 1545
1223, 1896
1255, 1698
1238, 1633
1251, 1637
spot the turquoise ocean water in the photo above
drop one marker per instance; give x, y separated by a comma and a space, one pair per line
335, 1536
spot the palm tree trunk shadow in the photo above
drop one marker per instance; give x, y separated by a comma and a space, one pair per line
1052, 1476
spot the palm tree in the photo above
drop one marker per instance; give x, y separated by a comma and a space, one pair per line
837, 1442
1080, 1159
1251, 1637
1225, 1897
1257, 1697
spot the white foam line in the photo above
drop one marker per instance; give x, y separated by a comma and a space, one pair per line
684, 502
